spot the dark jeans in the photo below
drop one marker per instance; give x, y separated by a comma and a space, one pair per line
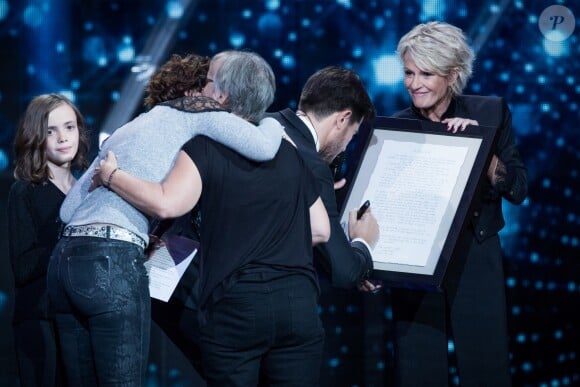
99, 288
37, 353
265, 328
472, 308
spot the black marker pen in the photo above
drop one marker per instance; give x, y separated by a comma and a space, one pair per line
362, 209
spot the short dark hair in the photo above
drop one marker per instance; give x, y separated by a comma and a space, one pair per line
175, 77
334, 89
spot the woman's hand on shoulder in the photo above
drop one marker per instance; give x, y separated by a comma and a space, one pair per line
457, 123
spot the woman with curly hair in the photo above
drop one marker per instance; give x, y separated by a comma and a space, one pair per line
178, 77
96, 277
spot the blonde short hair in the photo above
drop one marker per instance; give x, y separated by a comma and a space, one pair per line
440, 48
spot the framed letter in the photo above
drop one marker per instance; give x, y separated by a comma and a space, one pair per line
421, 181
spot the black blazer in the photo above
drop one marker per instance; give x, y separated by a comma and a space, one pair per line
345, 263
487, 219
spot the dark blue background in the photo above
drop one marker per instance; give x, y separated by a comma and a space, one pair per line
90, 49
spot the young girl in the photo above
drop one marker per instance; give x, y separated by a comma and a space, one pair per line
50, 140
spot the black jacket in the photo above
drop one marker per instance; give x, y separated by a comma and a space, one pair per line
487, 218
33, 230
344, 262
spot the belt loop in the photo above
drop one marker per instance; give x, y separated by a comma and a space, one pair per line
108, 232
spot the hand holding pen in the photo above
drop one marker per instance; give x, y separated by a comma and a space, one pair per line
369, 223
360, 212
362, 224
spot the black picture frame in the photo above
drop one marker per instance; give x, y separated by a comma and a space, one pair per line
475, 144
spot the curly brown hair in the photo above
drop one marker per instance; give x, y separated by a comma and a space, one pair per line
30, 139
176, 77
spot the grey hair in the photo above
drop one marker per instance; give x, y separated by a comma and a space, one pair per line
247, 80
440, 48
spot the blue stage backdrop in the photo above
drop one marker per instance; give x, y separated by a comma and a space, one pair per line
100, 54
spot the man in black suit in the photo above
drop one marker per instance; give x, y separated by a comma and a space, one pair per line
332, 106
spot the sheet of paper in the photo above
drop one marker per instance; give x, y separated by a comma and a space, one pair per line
410, 189
165, 272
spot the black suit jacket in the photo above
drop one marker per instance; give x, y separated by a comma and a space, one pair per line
345, 263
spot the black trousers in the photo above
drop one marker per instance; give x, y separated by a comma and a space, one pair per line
270, 330
38, 354
180, 325
179, 321
471, 309
264, 328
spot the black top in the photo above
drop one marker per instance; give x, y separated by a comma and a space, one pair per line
33, 230
487, 219
255, 215
347, 264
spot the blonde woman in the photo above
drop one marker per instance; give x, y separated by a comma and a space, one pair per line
472, 306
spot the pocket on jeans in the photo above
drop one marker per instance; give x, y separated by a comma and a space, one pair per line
305, 321
232, 321
89, 276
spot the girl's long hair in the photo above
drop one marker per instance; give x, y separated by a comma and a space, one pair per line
30, 140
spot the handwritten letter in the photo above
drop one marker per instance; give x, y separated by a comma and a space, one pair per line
410, 189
